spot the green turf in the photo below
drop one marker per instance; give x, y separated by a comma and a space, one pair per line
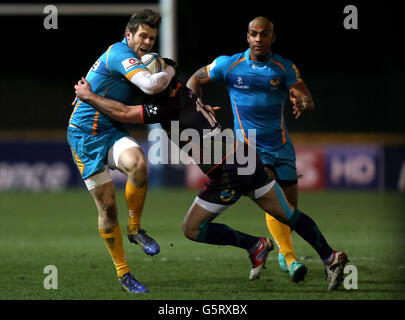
45, 228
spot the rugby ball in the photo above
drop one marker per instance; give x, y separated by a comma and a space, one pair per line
154, 62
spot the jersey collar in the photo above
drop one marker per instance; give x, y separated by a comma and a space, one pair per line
247, 56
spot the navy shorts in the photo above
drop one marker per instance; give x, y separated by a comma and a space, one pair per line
227, 185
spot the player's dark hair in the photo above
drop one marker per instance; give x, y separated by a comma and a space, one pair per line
146, 16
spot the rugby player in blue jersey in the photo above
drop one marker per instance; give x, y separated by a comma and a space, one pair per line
259, 82
227, 181
99, 142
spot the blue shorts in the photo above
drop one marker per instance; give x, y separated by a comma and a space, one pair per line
90, 152
282, 160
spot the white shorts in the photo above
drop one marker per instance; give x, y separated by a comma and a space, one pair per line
114, 154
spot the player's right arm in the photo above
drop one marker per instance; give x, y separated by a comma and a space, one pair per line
112, 108
210, 73
199, 79
215, 71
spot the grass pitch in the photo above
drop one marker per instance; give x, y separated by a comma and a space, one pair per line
60, 229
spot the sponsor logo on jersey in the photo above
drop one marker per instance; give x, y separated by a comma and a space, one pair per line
240, 84
227, 195
96, 65
274, 82
130, 62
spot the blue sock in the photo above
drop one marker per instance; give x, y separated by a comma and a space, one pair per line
309, 231
304, 226
221, 234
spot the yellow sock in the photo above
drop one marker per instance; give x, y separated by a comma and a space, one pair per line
282, 235
113, 240
135, 200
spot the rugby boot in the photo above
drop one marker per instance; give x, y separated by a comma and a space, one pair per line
131, 285
258, 256
297, 271
335, 270
149, 246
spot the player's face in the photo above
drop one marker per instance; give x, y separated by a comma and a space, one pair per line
142, 40
260, 37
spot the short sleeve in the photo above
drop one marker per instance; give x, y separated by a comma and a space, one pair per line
124, 61
217, 69
292, 75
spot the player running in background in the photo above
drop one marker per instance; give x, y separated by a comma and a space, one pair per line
99, 142
226, 183
259, 82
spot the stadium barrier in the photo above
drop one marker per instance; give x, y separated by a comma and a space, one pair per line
323, 162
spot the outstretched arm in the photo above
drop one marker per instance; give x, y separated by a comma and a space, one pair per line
301, 99
111, 108
199, 79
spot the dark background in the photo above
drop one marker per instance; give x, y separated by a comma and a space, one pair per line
355, 76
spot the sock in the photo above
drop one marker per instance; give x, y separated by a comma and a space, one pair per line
309, 231
135, 198
329, 260
282, 236
221, 234
113, 240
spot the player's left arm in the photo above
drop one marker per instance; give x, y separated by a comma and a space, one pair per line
301, 99
111, 108
299, 93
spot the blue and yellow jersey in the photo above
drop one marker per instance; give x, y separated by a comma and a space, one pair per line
258, 92
110, 77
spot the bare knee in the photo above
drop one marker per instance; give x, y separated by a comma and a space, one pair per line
189, 231
134, 165
194, 219
138, 171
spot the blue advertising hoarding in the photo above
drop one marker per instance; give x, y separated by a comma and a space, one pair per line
36, 166
354, 167
394, 169
48, 165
